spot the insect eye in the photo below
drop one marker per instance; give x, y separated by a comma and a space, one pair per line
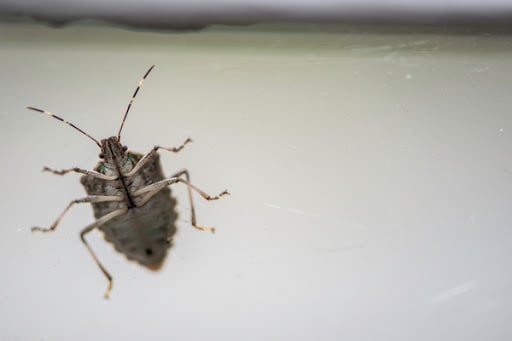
125, 148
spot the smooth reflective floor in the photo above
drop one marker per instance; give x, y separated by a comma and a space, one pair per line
371, 181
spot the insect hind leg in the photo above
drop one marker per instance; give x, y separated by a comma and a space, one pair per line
151, 190
91, 227
191, 202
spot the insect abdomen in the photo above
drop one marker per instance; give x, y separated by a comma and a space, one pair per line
145, 233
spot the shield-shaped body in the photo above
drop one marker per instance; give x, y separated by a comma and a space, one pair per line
143, 234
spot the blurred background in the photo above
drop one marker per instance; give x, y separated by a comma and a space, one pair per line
366, 146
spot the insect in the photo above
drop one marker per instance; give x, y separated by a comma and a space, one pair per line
131, 198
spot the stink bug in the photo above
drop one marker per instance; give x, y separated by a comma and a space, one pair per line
130, 198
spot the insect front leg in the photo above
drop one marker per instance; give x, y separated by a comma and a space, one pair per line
91, 227
150, 190
88, 199
146, 158
81, 171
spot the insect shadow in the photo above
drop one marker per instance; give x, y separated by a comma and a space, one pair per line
131, 199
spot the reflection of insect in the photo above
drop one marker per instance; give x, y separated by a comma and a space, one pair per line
130, 198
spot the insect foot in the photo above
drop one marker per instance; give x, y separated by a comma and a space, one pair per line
131, 198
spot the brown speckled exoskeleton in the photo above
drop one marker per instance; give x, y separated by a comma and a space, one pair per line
130, 198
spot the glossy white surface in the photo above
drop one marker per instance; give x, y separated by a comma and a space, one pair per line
371, 181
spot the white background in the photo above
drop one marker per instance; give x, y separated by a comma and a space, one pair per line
371, 181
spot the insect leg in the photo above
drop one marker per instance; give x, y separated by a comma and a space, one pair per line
142, 162
174, 149
88, 199
81, 171
91, 227
191, 202
152, 189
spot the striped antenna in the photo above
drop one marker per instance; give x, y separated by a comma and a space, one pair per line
131, 102
67, 122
